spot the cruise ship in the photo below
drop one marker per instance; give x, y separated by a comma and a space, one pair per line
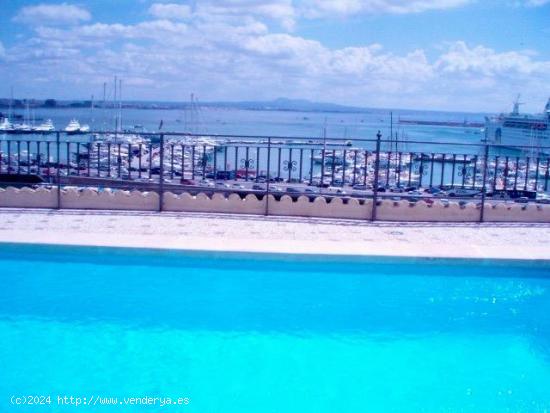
530, 132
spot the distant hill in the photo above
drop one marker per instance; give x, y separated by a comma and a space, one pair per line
285, 104
280, 104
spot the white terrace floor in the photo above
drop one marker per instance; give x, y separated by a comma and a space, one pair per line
274, 234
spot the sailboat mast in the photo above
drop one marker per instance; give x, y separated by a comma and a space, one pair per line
92, 110
104, 102
10, 114
27, 114
391, 132
120, 104
325, 135
192, 114
114, 106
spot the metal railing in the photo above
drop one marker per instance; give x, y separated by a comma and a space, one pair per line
374, 169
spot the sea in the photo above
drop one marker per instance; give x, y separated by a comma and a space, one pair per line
279, 123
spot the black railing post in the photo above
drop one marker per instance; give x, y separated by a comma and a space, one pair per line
322, 167
9, 156
58, 175
375, 184
268, 174
546, 174
161, 173
484, 183
204, 161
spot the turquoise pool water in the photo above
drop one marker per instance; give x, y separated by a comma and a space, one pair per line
262, 333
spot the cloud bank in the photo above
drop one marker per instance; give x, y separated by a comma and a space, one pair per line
229, 50
45, 14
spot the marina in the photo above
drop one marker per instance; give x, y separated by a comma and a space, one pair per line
439, 164
284, 165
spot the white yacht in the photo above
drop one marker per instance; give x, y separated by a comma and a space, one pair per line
47, 126
75, 127
122, 137
21, 127
6, 126
517, 129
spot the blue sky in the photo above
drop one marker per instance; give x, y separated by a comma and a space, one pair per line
471, 55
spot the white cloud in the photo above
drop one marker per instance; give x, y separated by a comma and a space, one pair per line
46, 14
329, 8
281, 11
223, 53
460, 58
170, 11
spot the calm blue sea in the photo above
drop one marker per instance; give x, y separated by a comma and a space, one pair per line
280, 123
266, 333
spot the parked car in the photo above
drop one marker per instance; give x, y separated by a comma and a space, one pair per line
463, 193
19, 180
207, 183
433, 190
512, 194
336, 190
225, 175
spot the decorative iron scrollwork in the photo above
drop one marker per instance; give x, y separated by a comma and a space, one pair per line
289, 165
247, 163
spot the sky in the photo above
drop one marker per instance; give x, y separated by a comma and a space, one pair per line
456, 55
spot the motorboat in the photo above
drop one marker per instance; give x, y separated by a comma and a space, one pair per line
6, 126
47, 126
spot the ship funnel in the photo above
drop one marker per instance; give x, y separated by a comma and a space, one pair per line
517, 104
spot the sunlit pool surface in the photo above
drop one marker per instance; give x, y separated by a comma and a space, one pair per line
268, 333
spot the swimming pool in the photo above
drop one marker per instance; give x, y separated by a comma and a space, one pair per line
268, 333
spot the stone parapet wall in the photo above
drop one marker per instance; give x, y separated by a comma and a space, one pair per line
28, 198
88, 198
233, 204
422, 211
320, 207
303, 206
